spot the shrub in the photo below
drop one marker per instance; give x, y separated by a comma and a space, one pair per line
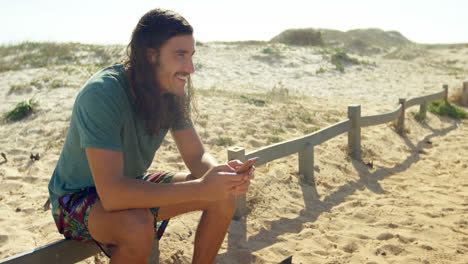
441, 107
270, 54
418, 116
19, 88
272, 50
256, 102
340, 57
224, 141
305, 117
279, 92
57, 84
273, 139
311, 130
22, 110
321, 70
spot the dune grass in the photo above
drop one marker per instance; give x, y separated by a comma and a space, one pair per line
418, 116
340, 59
21, 110
224, 141
443, 108
28, 55
300, 37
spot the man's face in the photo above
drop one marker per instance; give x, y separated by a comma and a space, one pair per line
175, 64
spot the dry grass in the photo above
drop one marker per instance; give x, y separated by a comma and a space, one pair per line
300, 37
456, 95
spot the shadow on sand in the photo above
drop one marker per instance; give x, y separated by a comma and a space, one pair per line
314, 207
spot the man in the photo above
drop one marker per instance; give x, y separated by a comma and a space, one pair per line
99, 190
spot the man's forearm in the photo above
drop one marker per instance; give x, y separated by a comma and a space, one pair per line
200, 167
127, 193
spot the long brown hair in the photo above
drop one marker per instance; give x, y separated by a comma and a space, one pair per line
152, 31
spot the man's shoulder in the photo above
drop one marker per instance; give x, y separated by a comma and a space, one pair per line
106, 78
106, 84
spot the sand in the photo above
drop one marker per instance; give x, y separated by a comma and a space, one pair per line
405, 202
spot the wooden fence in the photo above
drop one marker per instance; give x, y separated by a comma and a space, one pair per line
66, 252
305, 145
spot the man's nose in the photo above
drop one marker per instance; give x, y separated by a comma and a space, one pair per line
189, 66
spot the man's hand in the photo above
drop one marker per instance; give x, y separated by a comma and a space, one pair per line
248, 175
221, 181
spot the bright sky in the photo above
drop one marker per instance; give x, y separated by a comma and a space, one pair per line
108, 22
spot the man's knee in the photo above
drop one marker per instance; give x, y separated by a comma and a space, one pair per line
226, 207
136, 232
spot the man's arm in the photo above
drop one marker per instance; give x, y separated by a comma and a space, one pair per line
118, 192
192, 151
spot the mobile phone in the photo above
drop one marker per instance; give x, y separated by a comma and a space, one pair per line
247, 165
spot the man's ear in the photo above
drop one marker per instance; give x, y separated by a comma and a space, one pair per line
151, 55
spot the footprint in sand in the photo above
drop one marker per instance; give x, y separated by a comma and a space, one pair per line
389, 249
385, 236
427, 247
351, 247
3, 239
405, 240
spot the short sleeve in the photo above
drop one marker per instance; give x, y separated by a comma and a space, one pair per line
98, 120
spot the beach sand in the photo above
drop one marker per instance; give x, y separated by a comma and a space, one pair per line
405, 202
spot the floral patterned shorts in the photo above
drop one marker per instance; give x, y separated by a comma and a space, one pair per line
74, 209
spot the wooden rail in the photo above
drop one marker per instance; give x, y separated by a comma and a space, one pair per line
62, 251
305, 145
66, 252
290, 147
374, 120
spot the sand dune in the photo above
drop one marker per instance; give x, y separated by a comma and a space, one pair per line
406, 202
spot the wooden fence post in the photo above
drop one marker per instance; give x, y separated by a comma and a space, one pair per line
445, 86
464, 99
241, 208
306, 163
423, 111
354, 135
401, 119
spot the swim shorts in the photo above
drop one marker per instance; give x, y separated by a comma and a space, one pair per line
74, 210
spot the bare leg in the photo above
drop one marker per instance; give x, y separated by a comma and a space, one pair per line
213, 225
212, 228
132, 230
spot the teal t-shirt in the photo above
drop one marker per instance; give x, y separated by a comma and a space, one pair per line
103, 117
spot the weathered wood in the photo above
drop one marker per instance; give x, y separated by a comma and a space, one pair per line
62, 251
354, 134
423, 111
381, 118
237, 153
464, 99
66, 252
445, 86
427, 98
401, 120
293, 146
306, 164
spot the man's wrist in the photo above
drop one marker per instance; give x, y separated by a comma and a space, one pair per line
199, 189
